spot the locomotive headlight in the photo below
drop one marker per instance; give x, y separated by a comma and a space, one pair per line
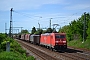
64, 41
57, 41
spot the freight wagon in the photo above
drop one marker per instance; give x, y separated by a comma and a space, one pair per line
18, 37
27, 37
55, 41
35, 39
22, 37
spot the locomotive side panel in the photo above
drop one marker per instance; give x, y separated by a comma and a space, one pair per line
45, 39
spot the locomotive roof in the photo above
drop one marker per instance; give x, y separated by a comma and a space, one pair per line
35, 35
53, 33
46, 34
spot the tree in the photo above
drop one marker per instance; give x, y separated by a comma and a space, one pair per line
75, 28
24, 32
33, 30
49, 30
39, 32
44, 31
88, 31
88, 27
64, 29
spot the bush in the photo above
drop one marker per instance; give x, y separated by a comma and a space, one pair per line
16, 51
31, 58
10, 56
13, 48
2, 37
79, 44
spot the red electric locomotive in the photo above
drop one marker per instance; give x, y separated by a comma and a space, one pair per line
55, 41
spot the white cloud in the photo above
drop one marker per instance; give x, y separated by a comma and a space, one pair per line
78, 7
25, 4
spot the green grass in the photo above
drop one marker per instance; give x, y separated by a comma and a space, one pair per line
79, 44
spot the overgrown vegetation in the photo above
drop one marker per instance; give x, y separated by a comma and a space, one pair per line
16, 52
74, 32
79, 44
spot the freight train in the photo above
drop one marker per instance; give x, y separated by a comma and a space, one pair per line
54, 41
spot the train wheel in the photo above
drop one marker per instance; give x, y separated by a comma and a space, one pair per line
52, 49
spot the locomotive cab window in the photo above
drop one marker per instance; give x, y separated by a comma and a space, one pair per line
60, 36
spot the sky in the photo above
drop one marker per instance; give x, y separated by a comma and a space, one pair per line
28, 13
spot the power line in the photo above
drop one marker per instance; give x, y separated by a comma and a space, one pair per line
53, 17
78, 12
22, 14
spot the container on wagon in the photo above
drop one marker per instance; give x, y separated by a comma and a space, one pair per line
35, 39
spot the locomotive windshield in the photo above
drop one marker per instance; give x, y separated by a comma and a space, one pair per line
60, 36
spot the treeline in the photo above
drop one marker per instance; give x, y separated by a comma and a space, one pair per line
75, 29
39, 31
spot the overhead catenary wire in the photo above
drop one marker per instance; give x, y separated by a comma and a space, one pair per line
32, 17
25, 15
78, 12
22, 14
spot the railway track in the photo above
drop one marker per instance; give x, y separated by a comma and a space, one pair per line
39, 53
75, 54
46, 54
